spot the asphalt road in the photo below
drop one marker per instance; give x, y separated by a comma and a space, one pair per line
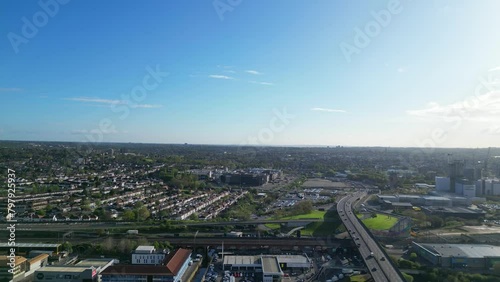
381, 270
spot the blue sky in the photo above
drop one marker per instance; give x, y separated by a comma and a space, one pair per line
428, 76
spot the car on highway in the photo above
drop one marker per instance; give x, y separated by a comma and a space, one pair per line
374, 269
382, 258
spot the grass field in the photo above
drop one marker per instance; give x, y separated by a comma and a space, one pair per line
313, 214
359, 278
381, 222
320, 228
272, 225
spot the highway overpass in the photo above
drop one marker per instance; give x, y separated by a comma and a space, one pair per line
378, 264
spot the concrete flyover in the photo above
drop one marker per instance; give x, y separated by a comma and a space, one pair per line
378, 264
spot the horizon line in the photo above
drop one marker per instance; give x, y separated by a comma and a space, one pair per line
250, 145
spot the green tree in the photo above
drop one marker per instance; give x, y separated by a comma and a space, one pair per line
163, 213
436, 221
138, 205
67, 247
193, 216
142, 213
408, 277
128, 215
413, 257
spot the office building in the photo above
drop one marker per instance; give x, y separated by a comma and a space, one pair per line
148, 255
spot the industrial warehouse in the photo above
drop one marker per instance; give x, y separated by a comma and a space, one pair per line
459, 255
254, 263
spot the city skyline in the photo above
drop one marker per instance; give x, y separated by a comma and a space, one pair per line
384, 73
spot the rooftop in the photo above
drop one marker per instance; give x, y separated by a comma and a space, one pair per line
38, 258
94, 262
463, 250
4, 260
270, 264
436, 198
398, 204
240, 260
176, 259
136, 270
145, 249
30, 245
455, 210
65, 268
292, 259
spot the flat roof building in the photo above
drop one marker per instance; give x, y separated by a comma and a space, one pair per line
12, 267
475, 256
271, 271
176, 264
454, 211
148, 255
294, 261
66, 273
36, 263
267, 267
84, 271
24, 248
145, 249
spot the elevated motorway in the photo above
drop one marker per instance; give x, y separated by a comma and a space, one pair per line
378, 264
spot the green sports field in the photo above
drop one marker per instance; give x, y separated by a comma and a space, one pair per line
381, 222
315, 214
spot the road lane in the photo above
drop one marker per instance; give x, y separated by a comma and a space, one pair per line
378, 265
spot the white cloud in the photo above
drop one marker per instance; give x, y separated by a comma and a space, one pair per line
492, 130
402, 69
253, 72
11, 89
145, 106
495, 69
328, 110
261, 82
95, 100
481, 108
108, 102
218, 76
